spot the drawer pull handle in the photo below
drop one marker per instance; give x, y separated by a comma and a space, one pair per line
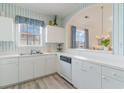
103, 77
91, 67
114, 74
83, 70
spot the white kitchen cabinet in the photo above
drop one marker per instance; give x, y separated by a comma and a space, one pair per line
36, 66
54, 34
6, 29
51, 64
26, 68
110, 83
8, 71
39, 66
76, 72
112, 78
85, 74
58, 64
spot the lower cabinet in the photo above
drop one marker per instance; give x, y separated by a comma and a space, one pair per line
36, 66
51, 64
39, 66
26, 68
76, 72
8, 71
110, 83
86, 75
112, 78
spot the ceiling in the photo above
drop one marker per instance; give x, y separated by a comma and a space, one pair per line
60, 9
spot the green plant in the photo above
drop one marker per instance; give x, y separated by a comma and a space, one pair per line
105, 42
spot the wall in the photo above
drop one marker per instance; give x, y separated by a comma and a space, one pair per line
67, 18
66, 23
10, 10
117, 31
93, 22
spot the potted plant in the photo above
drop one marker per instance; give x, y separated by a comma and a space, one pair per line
105, 42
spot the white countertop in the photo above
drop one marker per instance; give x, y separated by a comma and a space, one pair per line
25, 55
116, 62
105, 60
9, 56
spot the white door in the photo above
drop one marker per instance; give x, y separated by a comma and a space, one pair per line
76, 73
26, 68
85, 75
8, 71
39, 66
51, 65
55, 34
6, 29
91, 76
110, 83
58, 64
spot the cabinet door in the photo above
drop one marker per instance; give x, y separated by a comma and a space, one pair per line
85, 75
110, 83
112, 78
58, 64
51, 65
39, 66
6, 29
76, 78
8, 71
55, 34
26, 68
91, 76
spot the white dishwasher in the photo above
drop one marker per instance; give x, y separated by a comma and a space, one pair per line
66, 67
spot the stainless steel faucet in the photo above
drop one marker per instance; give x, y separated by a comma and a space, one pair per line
33, 51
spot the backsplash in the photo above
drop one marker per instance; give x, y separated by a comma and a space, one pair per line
46, 48
7, 47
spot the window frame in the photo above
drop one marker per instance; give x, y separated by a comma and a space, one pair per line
19, 37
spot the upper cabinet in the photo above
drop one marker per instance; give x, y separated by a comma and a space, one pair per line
54, 34
6, 29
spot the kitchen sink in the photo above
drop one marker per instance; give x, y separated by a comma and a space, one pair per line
33, 54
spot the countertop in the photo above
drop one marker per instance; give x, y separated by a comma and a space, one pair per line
115, 62
25, 55
104, 60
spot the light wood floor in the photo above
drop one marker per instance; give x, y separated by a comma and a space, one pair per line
49, 82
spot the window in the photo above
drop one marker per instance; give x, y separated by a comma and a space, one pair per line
80, 39
30, 31
30, 34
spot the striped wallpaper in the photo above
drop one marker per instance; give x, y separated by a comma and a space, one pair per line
11, 10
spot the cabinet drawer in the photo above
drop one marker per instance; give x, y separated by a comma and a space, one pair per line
113, 73
93, 68
9, 61
110, 83
87, 66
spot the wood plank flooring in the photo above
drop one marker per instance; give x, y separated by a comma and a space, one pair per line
50, 82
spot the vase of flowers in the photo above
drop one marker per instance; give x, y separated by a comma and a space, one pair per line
105, 42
